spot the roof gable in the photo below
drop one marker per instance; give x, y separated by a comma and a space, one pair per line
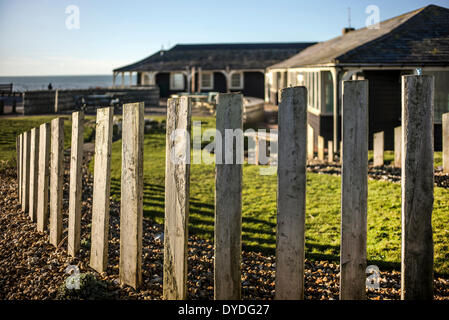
418, 36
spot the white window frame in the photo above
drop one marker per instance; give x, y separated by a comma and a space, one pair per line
240, 73
146, 76
211, 86
172, 81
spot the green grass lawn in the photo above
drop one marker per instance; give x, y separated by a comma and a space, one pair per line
10, 128
389, 157
259, 208
259, 202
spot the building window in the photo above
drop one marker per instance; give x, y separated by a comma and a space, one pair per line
177, 81
145, 79
207, 80
312, 86
328, 85
278, 80
237, 80
300, 79
441, 94
313, 89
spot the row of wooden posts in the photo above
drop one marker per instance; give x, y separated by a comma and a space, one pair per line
40, 167
378, 146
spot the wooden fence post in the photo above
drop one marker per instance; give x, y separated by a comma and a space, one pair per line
177, 195
76, 187
291, 199
19, 167
34, 167
43, 177
354, 190
131, 212
378, 149
397, 146
310, 143
320, 148
417, 187
228, 203
26, 171
445, 142
56, 179
102, 189
330, 151
341, 151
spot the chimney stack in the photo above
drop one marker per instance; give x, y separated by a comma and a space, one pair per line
347, 30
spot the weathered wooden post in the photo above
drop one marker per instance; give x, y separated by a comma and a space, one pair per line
417, 187
26, 171
131, 212
56, 179
19, 167
445, 142
228, 200
177, 195
34, 167
291, 199
320, 148
354, 190
341, 151
378, 149
76, 187
397, 146
43, 177
330, 151
102, 189
257, 149
310, 143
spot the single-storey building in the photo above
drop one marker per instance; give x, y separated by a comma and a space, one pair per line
381, 54
210, 67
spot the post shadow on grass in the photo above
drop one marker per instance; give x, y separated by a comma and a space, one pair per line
202, 214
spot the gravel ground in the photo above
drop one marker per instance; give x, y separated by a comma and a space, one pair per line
385, 173
31, 268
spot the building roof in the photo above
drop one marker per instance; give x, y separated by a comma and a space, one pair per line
420, 37
217, 56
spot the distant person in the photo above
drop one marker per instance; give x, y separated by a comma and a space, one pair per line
50, 87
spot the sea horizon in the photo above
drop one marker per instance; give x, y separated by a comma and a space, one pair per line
41, 82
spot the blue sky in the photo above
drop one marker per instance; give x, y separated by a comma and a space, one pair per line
36, 41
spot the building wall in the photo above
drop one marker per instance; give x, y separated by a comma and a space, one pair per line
51, 101
384, 109
384, 104
163, 82
322, 126
219, 83
254, 84
39, 102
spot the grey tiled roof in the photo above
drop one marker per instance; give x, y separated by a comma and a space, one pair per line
420, 37
218, 56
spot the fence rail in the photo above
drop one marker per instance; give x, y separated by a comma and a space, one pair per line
296, 146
